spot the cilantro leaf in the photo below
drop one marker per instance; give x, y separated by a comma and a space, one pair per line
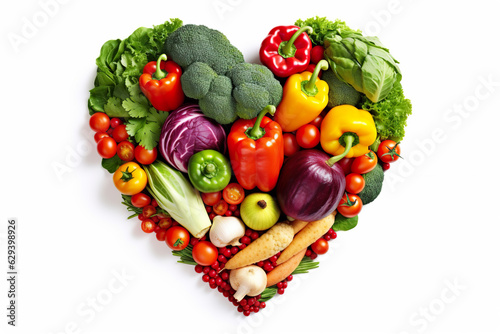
113, 108
137, 106
157, 116
148, 135
134, 125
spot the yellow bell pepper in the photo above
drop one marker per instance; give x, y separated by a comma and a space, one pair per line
304, 98
347, 131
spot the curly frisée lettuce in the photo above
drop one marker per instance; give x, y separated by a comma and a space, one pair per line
116, 89
389, 114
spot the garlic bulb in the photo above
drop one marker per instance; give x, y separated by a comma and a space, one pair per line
226, 231
249, 280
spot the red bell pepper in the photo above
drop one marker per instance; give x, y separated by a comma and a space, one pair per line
161, 83
256, 152
286, 50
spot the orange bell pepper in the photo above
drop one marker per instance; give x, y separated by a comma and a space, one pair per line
304, 98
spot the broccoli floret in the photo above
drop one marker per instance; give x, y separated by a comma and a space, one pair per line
254, 88
197, 43
339, 92
219, 103
197, 79
373, 185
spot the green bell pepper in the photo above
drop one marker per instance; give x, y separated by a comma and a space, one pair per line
209, 171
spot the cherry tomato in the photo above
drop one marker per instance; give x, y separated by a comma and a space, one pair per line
389, 151
211, 198
120, 133
346, 164
140, 200
350, 205
386, 166
106, 147
354, 183
365, 163
318, 120
177, 238
205, 253
130, 178
148, 211
233, 193
165, 223
317, 53
220, 207
320, 246
148, 226
100, 135
144, 156
99, 122
114, 122
125, 150
290, 144
308, 136
160, 235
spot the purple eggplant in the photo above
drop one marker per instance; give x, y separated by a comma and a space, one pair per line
310, 185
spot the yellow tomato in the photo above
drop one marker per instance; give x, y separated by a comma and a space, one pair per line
130, 178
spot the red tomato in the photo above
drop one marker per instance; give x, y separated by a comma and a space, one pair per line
350, 206
106, 147
148, 211
140, 200
365, 163
318, 120
346, 164
290, 144
220, 207
144, 156
160, 235
100, 135
99, 122
389, 151
233, 193
308, 136
165, 223
120, 133
177, 237
205, 253
125, 150
320, 246
211, 198
114, 122
317, 53
148, 226
354, 183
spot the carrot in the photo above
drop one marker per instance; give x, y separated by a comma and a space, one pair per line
273, 241
309, 234
285, 269
298, 225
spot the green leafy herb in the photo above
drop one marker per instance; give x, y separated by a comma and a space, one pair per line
344, 224
127, 201
268, 293
305, 265
112, 164
322, 26
117, 92
186, 255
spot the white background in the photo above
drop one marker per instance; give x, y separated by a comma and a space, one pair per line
434, 226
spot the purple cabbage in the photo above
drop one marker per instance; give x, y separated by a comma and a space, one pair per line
186, 132
308, 188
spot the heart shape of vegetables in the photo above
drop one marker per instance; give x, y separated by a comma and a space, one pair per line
247, 171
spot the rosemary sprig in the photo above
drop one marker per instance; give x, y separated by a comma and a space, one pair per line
186, 255
268, 293
127, 201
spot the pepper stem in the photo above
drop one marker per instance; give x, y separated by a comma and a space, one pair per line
209, 169
309, 86
288, 49
160, 74
256, 131
349, 140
